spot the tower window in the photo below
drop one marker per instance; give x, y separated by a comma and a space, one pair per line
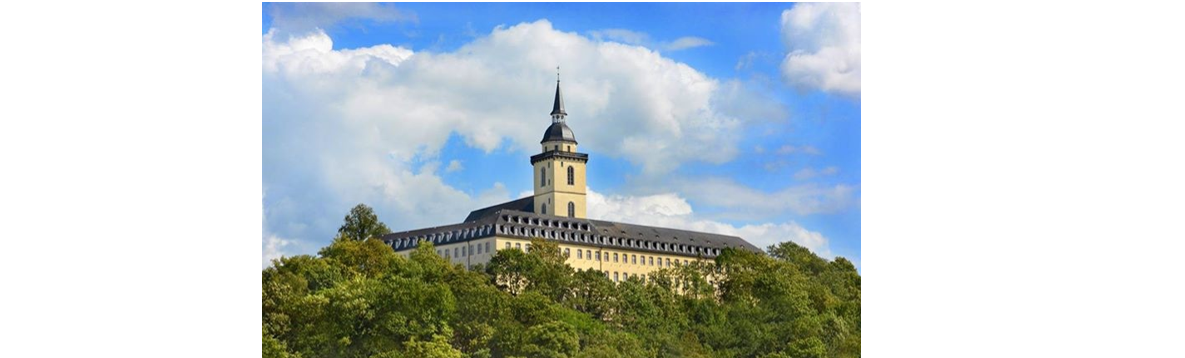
571, 209
543, 176
571, 176
544, 208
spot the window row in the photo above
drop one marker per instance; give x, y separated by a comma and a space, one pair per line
606, 240
441, 237
631, 259
471, 249
552, 223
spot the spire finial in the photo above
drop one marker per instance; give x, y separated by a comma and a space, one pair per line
557, 108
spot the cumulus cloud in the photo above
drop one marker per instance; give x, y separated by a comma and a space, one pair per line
824, 46
366, 125
673, 211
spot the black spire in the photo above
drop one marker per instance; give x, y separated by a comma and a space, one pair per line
558, 106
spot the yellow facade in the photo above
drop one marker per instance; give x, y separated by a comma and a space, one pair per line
552, 189
617, 264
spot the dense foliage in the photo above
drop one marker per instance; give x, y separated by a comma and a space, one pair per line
358, 298
362, 223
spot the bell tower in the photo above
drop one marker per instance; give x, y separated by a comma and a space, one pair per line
559, 168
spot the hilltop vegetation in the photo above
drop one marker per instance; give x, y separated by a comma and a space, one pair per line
358, 298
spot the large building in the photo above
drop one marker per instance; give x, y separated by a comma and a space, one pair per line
557, 212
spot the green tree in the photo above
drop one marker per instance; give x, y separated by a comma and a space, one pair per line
362, 224
359, 299
592, 293
370, 258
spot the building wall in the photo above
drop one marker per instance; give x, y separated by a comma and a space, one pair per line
624, 265
556, 192
466, 253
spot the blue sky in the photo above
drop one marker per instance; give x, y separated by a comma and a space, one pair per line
735, 118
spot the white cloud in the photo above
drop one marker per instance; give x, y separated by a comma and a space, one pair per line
824, 46
348, 126
746, 61
454, 166
805, 149
631, 37
687, 42
301, 17
621, 35
803, 199
672, 211
810, 173
273, 248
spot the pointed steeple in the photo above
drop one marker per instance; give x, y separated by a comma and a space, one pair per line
558, 107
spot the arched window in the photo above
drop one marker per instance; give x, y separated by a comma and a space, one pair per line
571, 175
571, 209
544, 208
580, 254
543, 176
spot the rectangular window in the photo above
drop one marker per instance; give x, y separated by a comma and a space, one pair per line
508, 245
615, 277
651, 260
668, 262
634, 259
599, 257
615, 257
567, 253
455, 250
487, 246
464, 251
518, 246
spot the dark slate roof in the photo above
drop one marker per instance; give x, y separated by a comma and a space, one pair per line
525, 204
558, 131
502, 220
558, 106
